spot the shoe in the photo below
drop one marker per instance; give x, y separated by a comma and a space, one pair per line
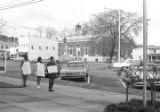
38, 86
51, 90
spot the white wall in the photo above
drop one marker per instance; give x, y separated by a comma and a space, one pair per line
13, 50
34, 53
23, 44
137, 53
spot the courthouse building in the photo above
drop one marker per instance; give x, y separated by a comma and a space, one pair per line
79, 46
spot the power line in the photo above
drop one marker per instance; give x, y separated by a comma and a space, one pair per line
10, 3
20, 4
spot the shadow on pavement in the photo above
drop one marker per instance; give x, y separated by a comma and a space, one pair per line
6, 85
75, 80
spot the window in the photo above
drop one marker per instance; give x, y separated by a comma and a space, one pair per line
86, 51
40, 48
75, 64
6, 46
70, 51
32, 47
47, 48
1, 46
53, 48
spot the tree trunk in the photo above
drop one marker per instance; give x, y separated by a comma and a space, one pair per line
152, 94
112, 50
127, 87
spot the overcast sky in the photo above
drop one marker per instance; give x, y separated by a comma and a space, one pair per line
67, 13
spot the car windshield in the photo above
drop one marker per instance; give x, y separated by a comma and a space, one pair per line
130, 61
75, 64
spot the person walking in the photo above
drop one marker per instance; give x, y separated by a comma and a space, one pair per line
26, 70
39, 71
52, 72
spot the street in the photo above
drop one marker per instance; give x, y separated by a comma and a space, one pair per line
69, 96
64, 99
102, 78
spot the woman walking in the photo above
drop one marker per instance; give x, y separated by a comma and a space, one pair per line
52, 72
39, 71
26, 70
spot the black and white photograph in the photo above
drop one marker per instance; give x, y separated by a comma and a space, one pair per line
79, 56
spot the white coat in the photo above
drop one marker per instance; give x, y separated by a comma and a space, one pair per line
26, 68
40, 70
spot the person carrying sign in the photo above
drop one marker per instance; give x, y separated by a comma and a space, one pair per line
52, 72
26, 70
39, 71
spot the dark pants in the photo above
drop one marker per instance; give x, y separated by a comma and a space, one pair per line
51, 82
38, 80
25, 80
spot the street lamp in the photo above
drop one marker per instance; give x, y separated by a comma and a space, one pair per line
119, 33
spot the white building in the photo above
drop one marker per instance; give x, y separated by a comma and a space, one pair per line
153, 52
34, 47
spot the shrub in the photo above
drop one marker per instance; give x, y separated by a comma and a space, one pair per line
111, 108
134, 105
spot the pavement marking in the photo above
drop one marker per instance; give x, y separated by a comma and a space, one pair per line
124, 85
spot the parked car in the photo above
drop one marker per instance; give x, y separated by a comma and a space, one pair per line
126, 63
18, 59
74, 70
153, 75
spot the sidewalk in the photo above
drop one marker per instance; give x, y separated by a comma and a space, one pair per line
64, 99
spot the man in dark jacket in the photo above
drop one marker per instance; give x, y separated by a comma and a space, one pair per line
51, 76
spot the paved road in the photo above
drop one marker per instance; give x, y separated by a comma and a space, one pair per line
101, 78
64, 99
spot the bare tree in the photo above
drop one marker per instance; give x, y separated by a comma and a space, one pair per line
50, 32
105, 27
40, 30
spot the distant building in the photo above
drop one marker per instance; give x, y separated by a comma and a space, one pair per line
153, 53
34, 47
7, 42
79, 46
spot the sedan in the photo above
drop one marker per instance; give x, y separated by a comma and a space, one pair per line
74, 70
126, 63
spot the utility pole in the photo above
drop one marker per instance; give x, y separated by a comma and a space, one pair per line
119, 36
145, 32
14, 44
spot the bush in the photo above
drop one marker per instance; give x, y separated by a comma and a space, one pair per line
134, 105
